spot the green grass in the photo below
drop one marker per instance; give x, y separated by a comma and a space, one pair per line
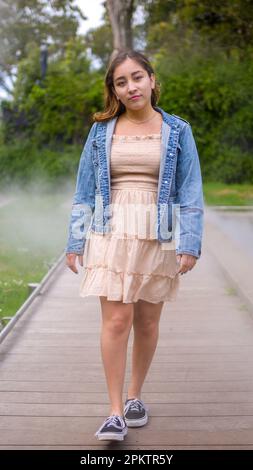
33, 234
228, 194
16, 272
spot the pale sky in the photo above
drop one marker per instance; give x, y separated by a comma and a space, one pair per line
93, 9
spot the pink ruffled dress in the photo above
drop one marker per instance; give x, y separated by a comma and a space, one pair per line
129, 263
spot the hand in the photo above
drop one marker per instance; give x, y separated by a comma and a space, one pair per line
186, 263
71, 261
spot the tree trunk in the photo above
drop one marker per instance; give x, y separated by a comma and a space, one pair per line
120, 14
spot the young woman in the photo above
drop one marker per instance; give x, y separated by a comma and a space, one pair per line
138, 163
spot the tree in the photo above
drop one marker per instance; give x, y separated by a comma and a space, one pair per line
28, 23
192, 24
121, 15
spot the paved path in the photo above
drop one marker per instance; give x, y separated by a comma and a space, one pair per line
237, 225
229, 248
5, 200
199, 388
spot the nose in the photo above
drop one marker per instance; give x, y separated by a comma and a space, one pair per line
131, 86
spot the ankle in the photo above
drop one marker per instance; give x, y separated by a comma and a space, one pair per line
117, 412
133, 396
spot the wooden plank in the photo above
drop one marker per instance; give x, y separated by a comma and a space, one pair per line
83, 357
167, 350
156, 367
96, 377
82, 386
168, 431
173, 344
207, 397
157, 424
128, 447
156, 410
174, 319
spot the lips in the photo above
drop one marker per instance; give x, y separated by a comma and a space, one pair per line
135, 97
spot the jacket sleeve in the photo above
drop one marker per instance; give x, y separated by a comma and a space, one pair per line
189, 196
84, 199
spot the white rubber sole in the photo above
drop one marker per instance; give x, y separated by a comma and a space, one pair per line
111, 436
136, 423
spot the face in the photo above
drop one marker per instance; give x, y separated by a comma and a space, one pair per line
130, 79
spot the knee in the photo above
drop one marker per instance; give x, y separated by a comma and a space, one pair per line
147, 326
119, 325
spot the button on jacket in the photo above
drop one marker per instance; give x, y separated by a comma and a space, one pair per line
180, 204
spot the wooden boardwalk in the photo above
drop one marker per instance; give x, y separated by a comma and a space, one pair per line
199, 388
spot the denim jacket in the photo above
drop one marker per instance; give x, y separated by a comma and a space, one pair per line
179, 187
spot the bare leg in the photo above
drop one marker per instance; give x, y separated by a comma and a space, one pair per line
117, 320
146, 333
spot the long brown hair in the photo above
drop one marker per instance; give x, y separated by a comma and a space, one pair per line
112, 106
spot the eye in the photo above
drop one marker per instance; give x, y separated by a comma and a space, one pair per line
136, 78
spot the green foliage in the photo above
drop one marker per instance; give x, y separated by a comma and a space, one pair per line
23, 162
29, 22
225, 24
215, 94
100, 40
58, 108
